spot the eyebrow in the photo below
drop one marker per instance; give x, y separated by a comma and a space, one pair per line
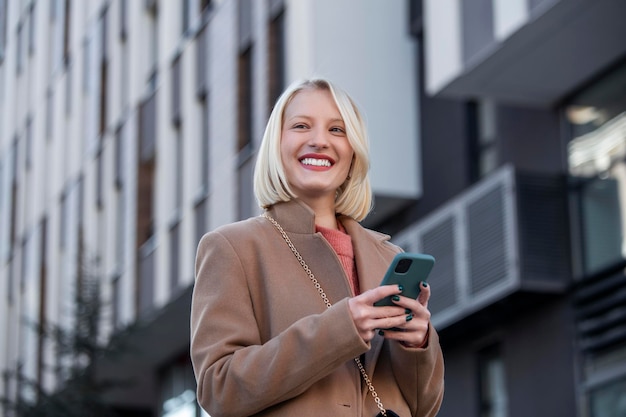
303, 116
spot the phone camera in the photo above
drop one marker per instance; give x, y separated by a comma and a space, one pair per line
403, 266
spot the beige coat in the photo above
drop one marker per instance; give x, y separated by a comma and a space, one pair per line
263, 343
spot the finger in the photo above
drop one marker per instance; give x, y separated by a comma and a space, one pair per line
378, 293
387, 312
424, 295
397, 322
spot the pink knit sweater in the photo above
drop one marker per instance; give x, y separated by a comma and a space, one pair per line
342, 244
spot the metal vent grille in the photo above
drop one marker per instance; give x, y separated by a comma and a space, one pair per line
439, 241
473, 239
487, 245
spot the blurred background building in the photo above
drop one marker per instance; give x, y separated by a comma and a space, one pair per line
128, 128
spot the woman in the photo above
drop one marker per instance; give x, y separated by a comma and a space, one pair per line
265, 341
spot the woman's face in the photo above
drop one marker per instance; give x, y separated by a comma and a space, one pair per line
314, 147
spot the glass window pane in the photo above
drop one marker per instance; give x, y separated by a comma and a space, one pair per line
597, 161
609, 400
493, 395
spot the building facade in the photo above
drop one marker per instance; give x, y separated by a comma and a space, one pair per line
129, 128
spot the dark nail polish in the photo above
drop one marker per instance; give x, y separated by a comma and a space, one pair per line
409, 317
400, 287
407, 310
380, 332
424, 284
396, 298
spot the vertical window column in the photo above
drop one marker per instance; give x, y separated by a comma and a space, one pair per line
245, 90
144, 215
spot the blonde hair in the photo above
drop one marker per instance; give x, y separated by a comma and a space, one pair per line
354, 196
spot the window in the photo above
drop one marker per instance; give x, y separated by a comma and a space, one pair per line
144, 214
124, 77
99, 177
205, 8
178, 390
605, 373
28, 151
178, 172
153, 58
103, 73
200, 213
174, 245
118, 152
597, 164
482, 136
186, 18
245, 86
86, 64
276, 58
204, 148
202, 52
19, 50
116, 301
176, 91
477, 28
63, 225
492, 383
609, 400
68, 89
31, 29
123, 19
67, 25
49, 113
43, 285
245, 99
3, 28
245, 111
13, 198
120, 229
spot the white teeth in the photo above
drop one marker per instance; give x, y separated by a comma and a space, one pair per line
316, 162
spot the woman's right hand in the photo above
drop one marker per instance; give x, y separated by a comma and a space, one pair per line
368, 319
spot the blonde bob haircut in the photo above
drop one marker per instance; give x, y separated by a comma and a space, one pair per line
354, 196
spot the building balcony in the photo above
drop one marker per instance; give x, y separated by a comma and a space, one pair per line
502, 243
528, 52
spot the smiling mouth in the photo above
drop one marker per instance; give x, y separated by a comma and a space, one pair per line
316, 162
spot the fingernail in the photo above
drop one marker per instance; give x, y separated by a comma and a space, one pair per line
407, 310
409, 317
396, 298
424, 284
380, 332
400, 287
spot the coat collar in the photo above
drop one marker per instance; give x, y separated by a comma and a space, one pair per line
371, 250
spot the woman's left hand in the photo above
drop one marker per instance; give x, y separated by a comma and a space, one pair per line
414, 333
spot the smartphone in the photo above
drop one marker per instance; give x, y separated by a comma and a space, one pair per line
409, 270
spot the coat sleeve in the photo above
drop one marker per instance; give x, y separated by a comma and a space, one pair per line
424, 394
236, 373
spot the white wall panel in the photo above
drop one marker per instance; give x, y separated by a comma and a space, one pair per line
444, 60
509, 15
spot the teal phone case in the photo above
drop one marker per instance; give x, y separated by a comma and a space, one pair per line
409, 270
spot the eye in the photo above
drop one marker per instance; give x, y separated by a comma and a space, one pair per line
299, 126
337, 130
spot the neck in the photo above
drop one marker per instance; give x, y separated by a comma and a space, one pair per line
325, 215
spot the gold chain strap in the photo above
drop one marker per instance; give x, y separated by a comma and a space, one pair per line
319, 289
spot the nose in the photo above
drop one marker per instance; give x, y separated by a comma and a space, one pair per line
319, 139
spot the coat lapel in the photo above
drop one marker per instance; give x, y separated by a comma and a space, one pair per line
372, 258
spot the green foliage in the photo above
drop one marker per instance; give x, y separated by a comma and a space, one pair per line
76, 349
